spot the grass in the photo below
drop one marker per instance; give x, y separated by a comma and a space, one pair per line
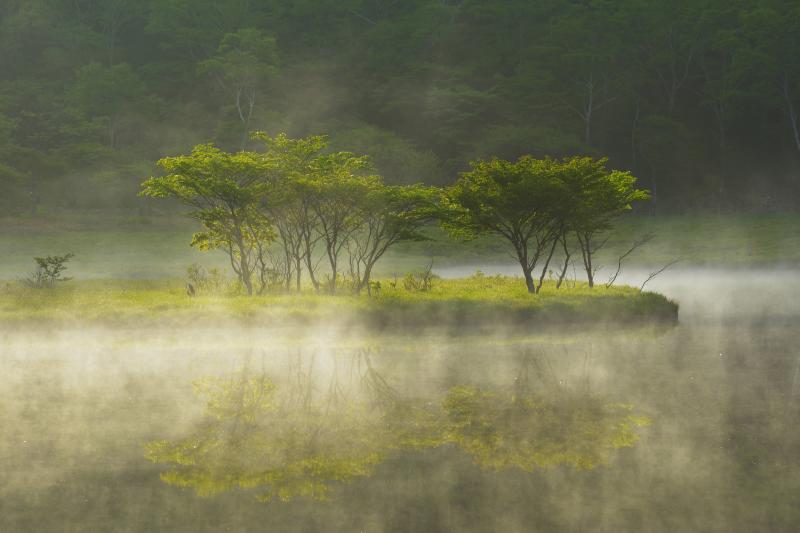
469, 303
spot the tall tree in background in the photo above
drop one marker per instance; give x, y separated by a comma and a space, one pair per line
109, 94
771, 42
242, 67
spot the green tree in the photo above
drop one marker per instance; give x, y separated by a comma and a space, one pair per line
336, 190
769, 49
244, 63
109, 95
593, 197
517, 200
387, 215
223, 191
288, 169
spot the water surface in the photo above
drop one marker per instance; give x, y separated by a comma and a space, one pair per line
691, 429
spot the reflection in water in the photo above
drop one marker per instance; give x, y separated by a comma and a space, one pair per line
534, 431
723, 454
294, 435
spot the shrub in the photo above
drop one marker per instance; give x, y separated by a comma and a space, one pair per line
206, 281
49, 271
420, 281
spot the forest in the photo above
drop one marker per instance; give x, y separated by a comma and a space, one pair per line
698, 99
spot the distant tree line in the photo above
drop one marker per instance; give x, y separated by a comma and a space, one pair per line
281, 212
700, 99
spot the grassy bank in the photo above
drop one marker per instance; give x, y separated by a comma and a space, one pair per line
470, 303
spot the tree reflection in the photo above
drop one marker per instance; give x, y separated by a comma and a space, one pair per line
538, 421
299, 435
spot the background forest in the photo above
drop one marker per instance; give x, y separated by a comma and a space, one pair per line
698, 98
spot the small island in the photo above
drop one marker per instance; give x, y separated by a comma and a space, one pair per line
304, 230
462, 305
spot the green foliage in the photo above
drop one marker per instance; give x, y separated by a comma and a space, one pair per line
244, 64
672, 92
49, 271
278, 443
297, 194
223, 191
535, 203
421, 280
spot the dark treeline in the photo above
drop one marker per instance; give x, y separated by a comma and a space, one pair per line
698, 98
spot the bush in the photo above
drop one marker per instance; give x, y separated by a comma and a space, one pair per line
205, 281
420, 281
49, 271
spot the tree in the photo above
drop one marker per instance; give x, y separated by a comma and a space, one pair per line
769, 49
243, 64
387, 214
224, 191
109, 94
49, 271
288, 199
593, 197
336, 191
518, 201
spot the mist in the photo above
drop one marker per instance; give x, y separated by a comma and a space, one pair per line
718, 452
388, 266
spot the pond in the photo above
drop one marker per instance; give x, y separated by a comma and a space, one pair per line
691, 428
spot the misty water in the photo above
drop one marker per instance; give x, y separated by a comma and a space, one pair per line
691, 428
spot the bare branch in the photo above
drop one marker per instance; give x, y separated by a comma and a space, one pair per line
640, 242
657, 272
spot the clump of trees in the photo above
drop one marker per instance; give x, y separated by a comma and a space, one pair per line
280, 212
539, 204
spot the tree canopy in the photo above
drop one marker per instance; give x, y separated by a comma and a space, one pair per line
535, 204
300, 195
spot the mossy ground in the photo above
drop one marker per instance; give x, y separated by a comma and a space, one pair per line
452, 303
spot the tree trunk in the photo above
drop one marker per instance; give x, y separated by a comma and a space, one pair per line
566, 264
589, 273
366, 279
311, 274
585, 244
546, 264
333, 260
244, 267
529, 281
334, 275
791, 111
